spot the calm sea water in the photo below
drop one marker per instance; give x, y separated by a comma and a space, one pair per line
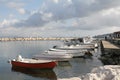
74, 68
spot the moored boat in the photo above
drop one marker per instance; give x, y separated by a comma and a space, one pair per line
67, 51
33, 63
80, 43
59, 56
73, 52
76, 47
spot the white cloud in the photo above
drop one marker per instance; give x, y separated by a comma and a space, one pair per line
8, 23
18, 6
55, 1
111, 11
74, 16
47, 16
105, 18
70, 1
4, 23
11, 15
15, 5
21, 11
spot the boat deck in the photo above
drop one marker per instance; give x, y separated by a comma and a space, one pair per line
25, 60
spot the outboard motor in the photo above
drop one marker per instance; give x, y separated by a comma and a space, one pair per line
54, 46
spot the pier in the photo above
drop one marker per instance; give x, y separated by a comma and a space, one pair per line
108, 45
110, 53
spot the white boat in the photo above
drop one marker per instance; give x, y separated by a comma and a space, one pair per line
80, 43
73, 52
76, 47
67, 51
59, 56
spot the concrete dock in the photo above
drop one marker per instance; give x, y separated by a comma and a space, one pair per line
108, 45
110, 53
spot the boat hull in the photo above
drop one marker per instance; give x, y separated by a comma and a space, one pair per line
75, 47
47, 65
73, 52
57, 57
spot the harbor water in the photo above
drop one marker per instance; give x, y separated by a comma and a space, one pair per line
73, 68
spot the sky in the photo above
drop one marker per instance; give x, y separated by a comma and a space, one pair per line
58, 18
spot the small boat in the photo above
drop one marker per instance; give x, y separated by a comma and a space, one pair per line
76, 47
33, 63
67, 51
73, 52
85, 42
59, 56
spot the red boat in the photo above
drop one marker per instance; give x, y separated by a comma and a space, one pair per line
33, 63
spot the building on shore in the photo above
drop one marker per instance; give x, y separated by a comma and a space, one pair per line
116, 34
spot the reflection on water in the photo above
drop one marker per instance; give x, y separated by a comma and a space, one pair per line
41, 73
64, 64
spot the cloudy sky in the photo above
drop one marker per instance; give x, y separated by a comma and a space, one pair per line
58, 18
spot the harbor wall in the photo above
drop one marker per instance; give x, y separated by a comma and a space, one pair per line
32, 39
110, 53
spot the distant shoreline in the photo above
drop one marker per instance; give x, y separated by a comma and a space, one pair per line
32, 39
